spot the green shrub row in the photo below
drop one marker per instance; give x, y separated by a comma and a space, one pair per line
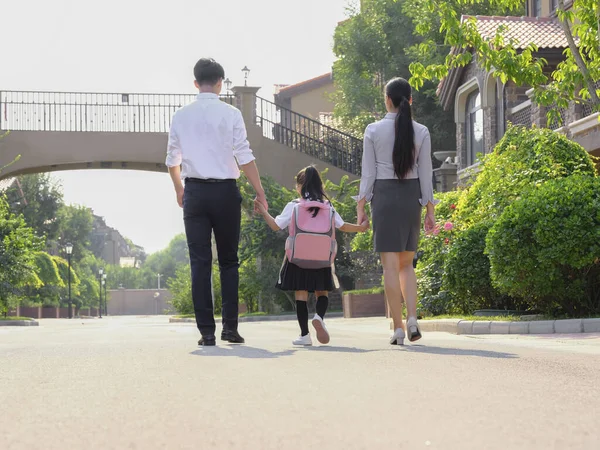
525, 235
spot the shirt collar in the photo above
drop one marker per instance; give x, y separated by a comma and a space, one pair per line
391, 115
206, 95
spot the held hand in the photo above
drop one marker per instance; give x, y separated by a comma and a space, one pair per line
364, 225
429, 222
361, 216
261, 200
259, 207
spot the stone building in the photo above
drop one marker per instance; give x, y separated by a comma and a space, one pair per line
483, 105
112, 247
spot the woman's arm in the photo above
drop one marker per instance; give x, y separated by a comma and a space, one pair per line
425, 172
369, 174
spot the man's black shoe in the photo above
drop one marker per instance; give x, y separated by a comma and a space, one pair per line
207, 341
232, 336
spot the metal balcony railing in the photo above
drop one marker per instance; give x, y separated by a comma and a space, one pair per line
309, 136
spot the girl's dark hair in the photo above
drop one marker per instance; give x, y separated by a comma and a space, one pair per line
311, 186
400, 92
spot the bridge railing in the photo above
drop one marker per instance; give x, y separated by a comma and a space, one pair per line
100, 112
309, 136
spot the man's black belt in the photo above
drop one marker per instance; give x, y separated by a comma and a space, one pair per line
209, 180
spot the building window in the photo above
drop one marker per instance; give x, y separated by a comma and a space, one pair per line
474, 122
554, 4
537, 8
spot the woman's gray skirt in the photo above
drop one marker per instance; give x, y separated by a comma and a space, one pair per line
396, 215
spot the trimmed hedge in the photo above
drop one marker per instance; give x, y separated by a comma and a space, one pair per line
545, 247
523, 159
467, 272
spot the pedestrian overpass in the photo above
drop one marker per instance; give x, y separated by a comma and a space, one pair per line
55, 131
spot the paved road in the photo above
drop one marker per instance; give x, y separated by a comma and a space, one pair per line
141, 383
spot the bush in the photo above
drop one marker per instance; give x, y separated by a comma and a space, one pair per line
546, 246
467, 272
181, 289
433, 300
523, 159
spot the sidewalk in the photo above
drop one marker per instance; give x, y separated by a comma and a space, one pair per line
471, 327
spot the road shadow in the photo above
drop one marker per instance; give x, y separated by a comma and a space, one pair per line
327, 348
458, 352
241, 351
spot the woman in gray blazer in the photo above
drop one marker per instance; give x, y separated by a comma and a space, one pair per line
397, 180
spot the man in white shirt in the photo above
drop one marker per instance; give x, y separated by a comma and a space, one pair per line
207, 142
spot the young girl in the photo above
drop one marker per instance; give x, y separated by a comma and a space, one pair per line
303, 281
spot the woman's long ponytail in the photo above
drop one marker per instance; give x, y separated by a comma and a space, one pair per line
403, 157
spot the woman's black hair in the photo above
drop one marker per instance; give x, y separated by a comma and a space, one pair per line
399, 92
311, 186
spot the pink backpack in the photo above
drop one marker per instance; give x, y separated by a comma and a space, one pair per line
312, 244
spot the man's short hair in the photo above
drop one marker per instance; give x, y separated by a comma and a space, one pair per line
208, 71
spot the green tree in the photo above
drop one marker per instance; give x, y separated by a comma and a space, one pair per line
165, 262
47, 271
18, 245
128, 278
574, 79
63, 270
42, 198
373, 47
75, 224
380, 43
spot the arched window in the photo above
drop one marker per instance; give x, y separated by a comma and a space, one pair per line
474, 125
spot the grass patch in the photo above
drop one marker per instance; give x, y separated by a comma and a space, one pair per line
15, 318
375, 290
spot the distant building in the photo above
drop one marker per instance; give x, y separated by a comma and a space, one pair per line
112, 247
310, 98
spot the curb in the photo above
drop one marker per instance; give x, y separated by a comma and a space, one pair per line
255, 318
476, 327
19, 323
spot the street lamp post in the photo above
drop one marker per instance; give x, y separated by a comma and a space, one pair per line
105, 299
246, 73
228, 84
158, 275
103, 287
100, 272
69, 250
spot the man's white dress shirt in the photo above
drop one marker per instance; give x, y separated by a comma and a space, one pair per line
207, 137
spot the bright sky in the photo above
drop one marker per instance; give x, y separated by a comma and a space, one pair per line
137, 46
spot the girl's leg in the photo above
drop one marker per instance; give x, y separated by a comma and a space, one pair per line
393, 290
320, 328
322, 303
302, 311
